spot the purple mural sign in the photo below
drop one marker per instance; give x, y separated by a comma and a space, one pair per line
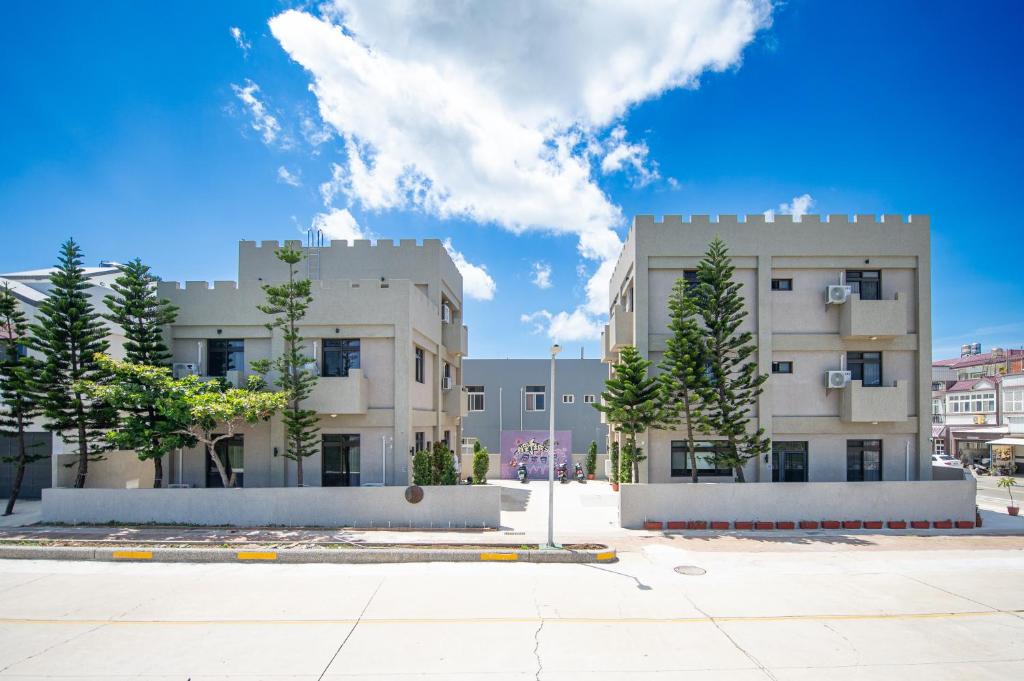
531, 446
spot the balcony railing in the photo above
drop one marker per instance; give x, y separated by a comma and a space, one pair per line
340, 394
873, 319
881, 404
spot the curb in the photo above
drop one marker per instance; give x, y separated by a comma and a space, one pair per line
130, 554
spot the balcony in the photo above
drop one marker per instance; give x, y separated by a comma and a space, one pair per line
874, 405
607, 355
340, 394
620, 328
455, 337
872, 319
453, 402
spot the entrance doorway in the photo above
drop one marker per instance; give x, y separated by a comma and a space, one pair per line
789, 462
340, 460
231, 452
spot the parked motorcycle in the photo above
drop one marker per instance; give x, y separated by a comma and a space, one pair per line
580, 475
563, 473
521, 471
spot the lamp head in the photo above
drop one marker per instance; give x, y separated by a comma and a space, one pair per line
555, 349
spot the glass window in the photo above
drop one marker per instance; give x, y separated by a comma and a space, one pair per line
707, 465
863, 460
224, 355
789, 462
534, 398
421, 441
589, 399
340, 355
568, 398
782, 367
980, 403
420, 364
782, 284
20, 350
690, 277
231, 452
340, 460
940, 446
1014, 400
868, 283
475, 397
865, 367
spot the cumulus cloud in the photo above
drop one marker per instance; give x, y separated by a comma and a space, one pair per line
338, 224
262, 121
286, 176
564, 326
798, 207
541, 275
504, 113
240, 40
476, 282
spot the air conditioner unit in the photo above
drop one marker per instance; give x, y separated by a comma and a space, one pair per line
839, 379
234, 378
447, 383
183, 369
979, 419
446, 314
838, 294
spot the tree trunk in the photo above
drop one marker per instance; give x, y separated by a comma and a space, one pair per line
689, 437
298, 471
736, 456
158, 472
20, 474
83, 456
225, 480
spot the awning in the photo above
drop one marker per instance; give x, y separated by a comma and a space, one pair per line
938, 431
1007, 441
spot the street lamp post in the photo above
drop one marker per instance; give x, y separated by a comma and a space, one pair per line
555, 349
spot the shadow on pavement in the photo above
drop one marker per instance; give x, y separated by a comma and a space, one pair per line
515, 499
837, 539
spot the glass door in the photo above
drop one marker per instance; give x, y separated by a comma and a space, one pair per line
789, 462
231, 452
340, 460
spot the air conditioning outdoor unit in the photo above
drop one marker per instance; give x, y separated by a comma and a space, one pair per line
839, 379
446, 314
234, 378
446, 383
838, 294
182, 369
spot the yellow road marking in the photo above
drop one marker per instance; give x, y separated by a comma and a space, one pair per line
256, 555
606, 555
133, 555
498, 556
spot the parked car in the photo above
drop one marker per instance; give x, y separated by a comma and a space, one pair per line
945, 460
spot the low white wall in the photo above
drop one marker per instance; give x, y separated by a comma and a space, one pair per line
795, 501
461, 506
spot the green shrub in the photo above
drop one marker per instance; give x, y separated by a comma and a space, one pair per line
442, 466
615, 461
591, 462
481, 462
421, 468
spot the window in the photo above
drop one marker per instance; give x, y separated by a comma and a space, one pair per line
224, 355
20, 350
534, 398
690, 276
568, 398
419, 366
448, 439
340, 460
475, 397
340, 355
936, 406
782, 367
589, 399
868, 283
938, 385
707, 465
863, 460
231, 452
865, 367
789, 462
421, 441
782, 284
978, 403
1013, 400
940, 446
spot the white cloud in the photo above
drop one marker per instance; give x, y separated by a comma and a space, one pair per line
286, 176
339, 225
476, 282
541, 275
564, 326
315, 133
240, 40
798, 208
502, 113
262, 121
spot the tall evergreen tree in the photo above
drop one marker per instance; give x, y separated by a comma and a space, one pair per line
734, 383
69, 334
19, 391
684, 367
135, 307
633, 402
288, 303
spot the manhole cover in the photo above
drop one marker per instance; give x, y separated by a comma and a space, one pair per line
691, 570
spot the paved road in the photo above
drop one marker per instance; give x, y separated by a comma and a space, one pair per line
842, 613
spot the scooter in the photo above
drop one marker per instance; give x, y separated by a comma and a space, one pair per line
521, 472
580, 476
562, 473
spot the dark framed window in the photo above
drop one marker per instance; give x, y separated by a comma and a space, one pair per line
868, 283
20, 350
782, 284
785, 367
231, 452
789, 462
690, 276
863, 460
420, 365
340, 460
224, 355
865, 367
340, 355
421, 441
707, 459
448, 439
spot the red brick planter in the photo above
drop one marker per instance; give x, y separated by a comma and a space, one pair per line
830, 524
697, 525
897, 524
964, 524
943, 524
920, 524
785, 525
744, 525
872, 524
719, 525
851, 524
808, 524
762, 525
677, 524
653, 525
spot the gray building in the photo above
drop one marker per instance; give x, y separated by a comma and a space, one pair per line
514, 395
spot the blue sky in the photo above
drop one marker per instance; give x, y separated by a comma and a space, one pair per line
148, 130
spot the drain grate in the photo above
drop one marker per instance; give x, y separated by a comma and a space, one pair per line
514, 534
690, 570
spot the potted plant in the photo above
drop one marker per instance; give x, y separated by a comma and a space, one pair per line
1008, 483
591, 462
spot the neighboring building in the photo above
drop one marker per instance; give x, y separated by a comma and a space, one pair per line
870, 427
975, 364
513, 396
385, 329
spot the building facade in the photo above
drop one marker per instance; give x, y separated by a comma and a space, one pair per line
822, 295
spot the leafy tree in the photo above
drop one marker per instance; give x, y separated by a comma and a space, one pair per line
69, 334
632, 401
287, 303
684, 367
19, 391
481, 462
134, 307
733, 383
591, 461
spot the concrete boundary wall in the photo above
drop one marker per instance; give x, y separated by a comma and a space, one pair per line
455, 506
796, 501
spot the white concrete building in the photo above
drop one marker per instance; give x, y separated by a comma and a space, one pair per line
872, 424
